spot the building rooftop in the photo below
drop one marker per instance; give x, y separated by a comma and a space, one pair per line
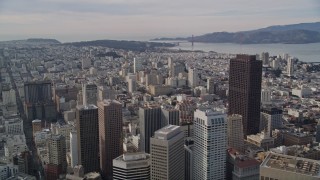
92, 175
248, 162
56, 136
132, 160
209, 112
36, 121
259, 137
13, 121
133, 157
86, 107
107, 102
271, 110
293, 164
22, 176
167, 132
299, 134
242, 161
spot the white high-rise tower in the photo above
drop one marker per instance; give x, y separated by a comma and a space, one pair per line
290, 67
193, 78
210, 144
74, 148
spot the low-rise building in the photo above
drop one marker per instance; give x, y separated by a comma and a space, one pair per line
241, 167
157, 90
278, 166
261, 140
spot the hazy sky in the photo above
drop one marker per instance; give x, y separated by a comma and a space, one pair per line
71, 20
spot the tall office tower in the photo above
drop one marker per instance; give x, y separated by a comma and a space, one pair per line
150, 120
9, 96
170, 115
137, 65
275, 63
285, 56
265, 58
193, 78
265, 96
177, 68
38, 101
57, 151
89, 94
211, 86
74, 148
57, 156
245, 91
170, 63
88, 137
110, 134
210, 145
167, 153
270, 119
318, 132
38, 92
290, 66
151, 79
132, 166
132, 85
235, 132
188, 165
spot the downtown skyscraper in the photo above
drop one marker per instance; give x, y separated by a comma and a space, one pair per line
110, 134
150, 119
57, 157
210, 144
167, 153
245, 91
88, 137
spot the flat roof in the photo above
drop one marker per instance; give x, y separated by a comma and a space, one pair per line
109, 101
36, 121
127, 157
89, 106
292, 164
167, 132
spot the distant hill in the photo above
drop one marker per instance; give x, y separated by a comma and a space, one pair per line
127, 45
305, 26
33, 41
287, 34
44, 41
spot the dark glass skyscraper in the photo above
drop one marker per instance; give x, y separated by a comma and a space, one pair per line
88, 137
38, 92
245, 91
150, 120
38, 102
